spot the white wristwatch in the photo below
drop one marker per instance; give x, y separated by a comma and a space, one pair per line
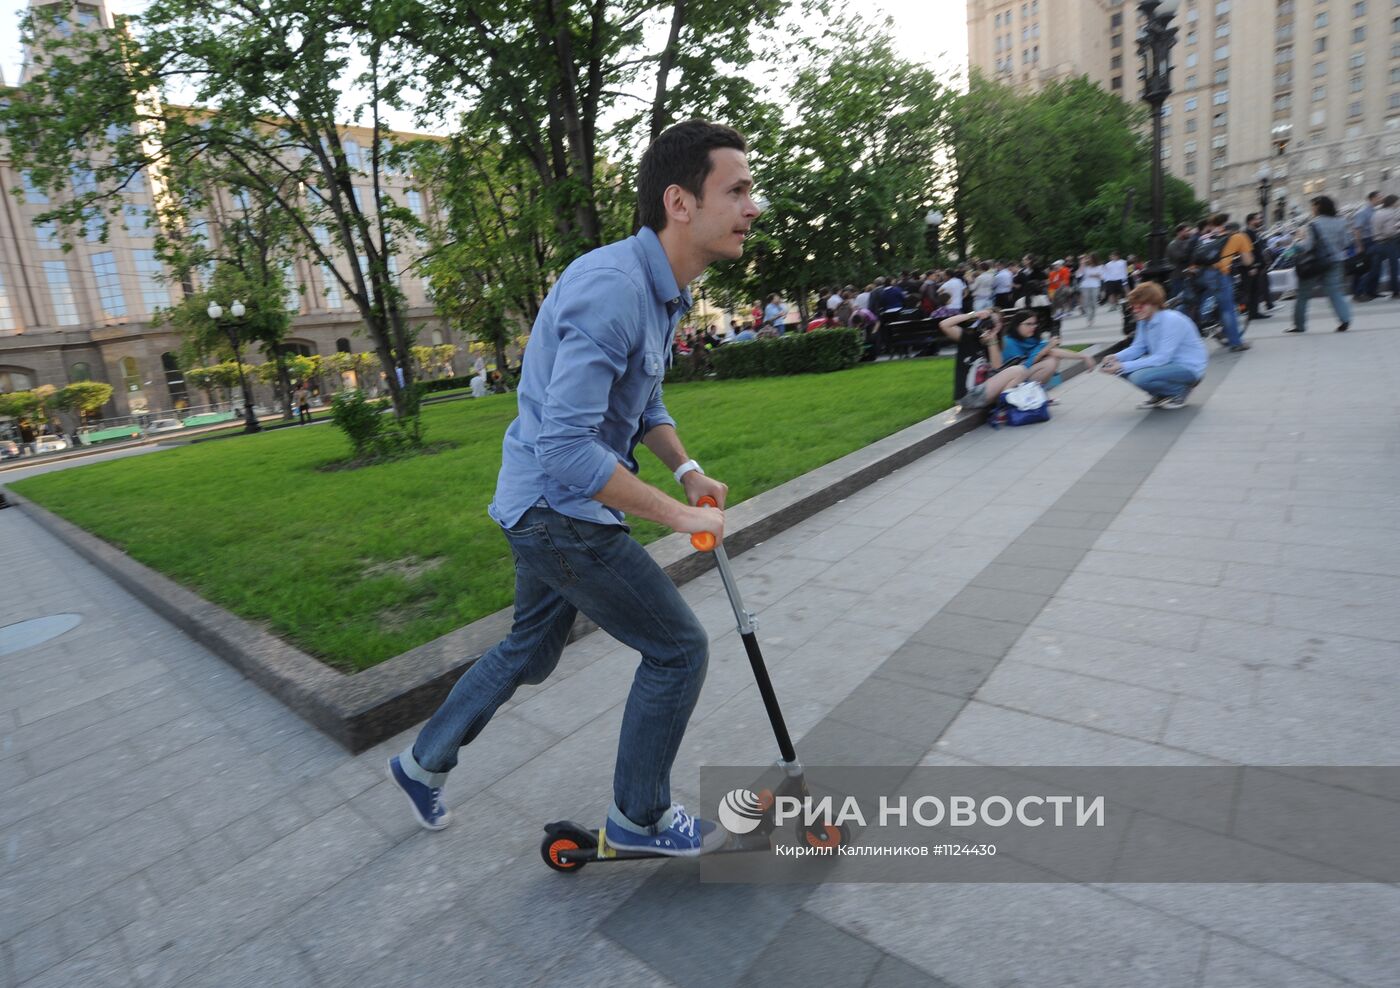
685, 468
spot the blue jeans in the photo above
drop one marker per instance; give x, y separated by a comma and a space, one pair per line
1330, 281
1221, 287
1361, 281
564, 566
1384, 252
1165, 380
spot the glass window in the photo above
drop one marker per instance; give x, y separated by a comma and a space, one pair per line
1116, 20
32, 193
1392, 104
292, 297
8, 323
415, 202
1358, 9
1395, 75
1221, 98
1354, 109
155, 294
138, 220
1358, 34
1222, 30
1222, 76
14, 379
1116, 41
84, 181
359, 200
1222, 52
131, 375
1191, 60
1283, 102
1320, 70
1319, 94
330, 291
65, 306
79, 372
1320, 20
109, 284
1358, 59
1283, 56
1115, 63
1284, 32
1222, 8
352, 154
47, 234
1191, 125
1319, 45
1356, 82
1190, 104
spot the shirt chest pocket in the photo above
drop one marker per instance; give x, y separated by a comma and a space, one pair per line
653, 364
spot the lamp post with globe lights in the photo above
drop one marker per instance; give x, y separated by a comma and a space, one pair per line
1265, 178
230, 326
1155, 44
933, 219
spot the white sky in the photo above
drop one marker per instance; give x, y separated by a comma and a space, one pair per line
932, 31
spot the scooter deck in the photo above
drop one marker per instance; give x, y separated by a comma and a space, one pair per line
568, 845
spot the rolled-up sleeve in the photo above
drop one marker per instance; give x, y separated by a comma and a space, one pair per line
656, 413
597, 323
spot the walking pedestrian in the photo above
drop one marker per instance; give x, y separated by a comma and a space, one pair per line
1090, 281
1326, 237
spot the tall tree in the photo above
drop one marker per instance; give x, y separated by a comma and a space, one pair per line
542, 77
848, 183
272, 87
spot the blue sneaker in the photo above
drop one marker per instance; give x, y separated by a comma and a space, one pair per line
426, 800
686, 837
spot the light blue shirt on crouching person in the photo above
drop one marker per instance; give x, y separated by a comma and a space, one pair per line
1167, 338
590, 386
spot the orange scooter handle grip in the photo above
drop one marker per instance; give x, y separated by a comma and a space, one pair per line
704, 541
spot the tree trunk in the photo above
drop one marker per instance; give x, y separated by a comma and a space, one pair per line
284, 380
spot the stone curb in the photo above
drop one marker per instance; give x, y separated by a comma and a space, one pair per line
363, 709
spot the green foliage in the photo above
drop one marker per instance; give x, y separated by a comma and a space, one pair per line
360, 419
848, 182
820, 351
1048, 173
25, 404
81, 398
1105, 226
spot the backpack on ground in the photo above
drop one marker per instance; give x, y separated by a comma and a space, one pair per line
1024, 404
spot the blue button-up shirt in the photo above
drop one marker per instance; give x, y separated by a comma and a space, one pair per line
1167, 338
590, 387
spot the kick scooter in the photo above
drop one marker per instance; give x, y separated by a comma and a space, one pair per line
567, 846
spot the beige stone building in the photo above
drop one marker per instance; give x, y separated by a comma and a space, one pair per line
1309, 89
87, 313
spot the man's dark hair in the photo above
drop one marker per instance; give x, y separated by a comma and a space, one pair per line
1389, 201
1220, 219
1251, 217
1325, 206
1183, 226
1372, 195
680, 156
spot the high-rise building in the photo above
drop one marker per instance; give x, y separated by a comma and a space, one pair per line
86, 314
1309, 89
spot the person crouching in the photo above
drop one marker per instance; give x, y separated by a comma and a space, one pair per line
1167, 357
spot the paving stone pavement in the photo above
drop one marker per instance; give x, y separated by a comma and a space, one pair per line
1216, 585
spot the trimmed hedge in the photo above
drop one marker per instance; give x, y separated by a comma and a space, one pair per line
446, 384
816, 352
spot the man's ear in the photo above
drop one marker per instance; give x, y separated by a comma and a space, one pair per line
677, 203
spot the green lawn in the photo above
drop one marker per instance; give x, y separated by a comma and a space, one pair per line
357, 566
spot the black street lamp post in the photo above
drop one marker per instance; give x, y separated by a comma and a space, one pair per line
1265, 178
933, 219
230, 326
1155, 44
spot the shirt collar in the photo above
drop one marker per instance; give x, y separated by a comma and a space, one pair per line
660, 275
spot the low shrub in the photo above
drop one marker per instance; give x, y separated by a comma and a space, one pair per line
816, 352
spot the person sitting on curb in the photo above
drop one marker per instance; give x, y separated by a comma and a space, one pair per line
1167, 357
986, 324
1039, 354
